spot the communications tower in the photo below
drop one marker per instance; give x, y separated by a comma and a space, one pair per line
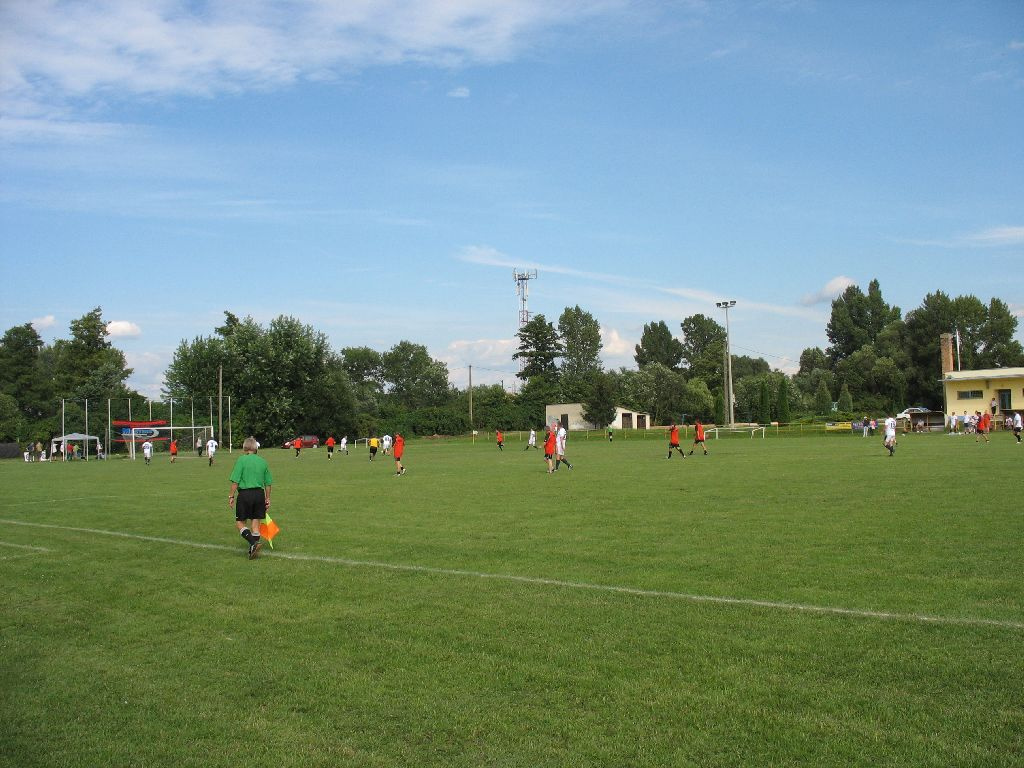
522, 288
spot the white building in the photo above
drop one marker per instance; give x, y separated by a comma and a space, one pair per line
571, 414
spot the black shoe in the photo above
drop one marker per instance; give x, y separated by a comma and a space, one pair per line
254, 548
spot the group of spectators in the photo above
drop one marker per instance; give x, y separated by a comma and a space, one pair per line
37, 452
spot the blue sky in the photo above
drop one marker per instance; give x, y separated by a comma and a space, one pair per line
377, 169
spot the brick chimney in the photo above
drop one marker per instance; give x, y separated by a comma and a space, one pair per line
946, 349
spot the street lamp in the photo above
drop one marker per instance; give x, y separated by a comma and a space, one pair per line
727, 305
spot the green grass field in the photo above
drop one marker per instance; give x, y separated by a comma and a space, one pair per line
779, 602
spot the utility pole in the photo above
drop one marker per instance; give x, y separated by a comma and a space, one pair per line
471, 398
727, 305
220, 403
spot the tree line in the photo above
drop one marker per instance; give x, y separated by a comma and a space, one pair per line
285, 379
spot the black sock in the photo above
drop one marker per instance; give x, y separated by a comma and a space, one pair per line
246, 534
255, 539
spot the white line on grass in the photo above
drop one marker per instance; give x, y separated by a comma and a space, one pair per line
33, 550
538, 580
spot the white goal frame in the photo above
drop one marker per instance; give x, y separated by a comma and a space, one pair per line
190, 428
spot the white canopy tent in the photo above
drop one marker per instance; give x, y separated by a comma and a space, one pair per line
72, 437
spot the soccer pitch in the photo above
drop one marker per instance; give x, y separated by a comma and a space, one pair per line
779, 602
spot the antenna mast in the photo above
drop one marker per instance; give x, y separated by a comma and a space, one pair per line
522, 289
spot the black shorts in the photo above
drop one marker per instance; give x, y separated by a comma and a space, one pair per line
373, 450
330, 449
251, 504
673, 445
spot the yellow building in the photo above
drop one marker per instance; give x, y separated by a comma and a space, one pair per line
976, 390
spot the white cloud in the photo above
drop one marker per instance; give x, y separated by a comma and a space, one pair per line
997, 236
147, 372
47, 321
832, 289
642, 290
1016, 45
993, 237
462, 92
123, 328
617, 351
63, 57
491, 360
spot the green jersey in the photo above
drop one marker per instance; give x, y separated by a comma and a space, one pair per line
251, 471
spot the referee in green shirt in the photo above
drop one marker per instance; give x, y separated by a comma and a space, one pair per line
250, 482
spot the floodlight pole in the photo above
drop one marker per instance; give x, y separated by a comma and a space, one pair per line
727, 305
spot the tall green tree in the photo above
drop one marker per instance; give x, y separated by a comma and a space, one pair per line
414, 378
782, 401
194, 368
540, 347
87, 365
22, 375
704, 349
822, 400
857, 319
845, 399
764, 411
658, 345
986, 340
599, 406
12, 423
659, 391
581, 361
697, 402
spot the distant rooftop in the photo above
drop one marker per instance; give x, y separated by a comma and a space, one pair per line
984, 373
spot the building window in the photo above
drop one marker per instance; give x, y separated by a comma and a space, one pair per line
970, 394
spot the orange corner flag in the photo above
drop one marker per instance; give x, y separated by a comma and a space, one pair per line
269, 530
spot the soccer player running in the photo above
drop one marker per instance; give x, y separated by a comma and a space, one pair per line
501, 440
374, 444
532, 442
399, 451
147, 451
211, 449
297, 445
330, 447
560, 448
698, 438
673, 441
984, 425
890, 434
1017, 424
174, 451
549, 449
250, 482
343, 446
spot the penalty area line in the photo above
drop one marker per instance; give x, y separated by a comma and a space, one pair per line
30, 553
823, 610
